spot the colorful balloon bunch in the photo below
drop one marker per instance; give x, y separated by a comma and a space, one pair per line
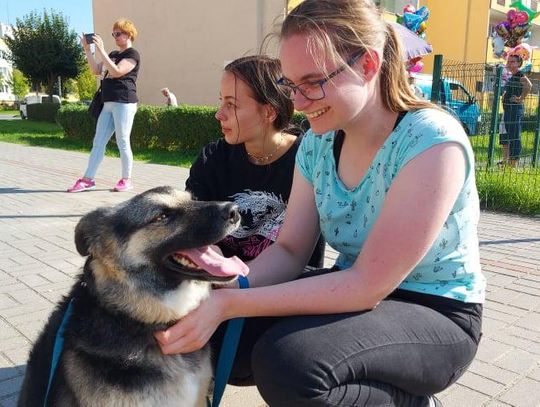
414, 20
514, 30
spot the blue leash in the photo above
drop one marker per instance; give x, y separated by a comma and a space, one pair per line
57, 349
228, 352
224, 365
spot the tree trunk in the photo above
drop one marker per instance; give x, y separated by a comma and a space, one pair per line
50, 87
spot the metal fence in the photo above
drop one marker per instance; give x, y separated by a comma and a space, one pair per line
473, 94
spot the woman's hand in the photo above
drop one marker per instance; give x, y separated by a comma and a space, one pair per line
98, 42
194, 330
84, 44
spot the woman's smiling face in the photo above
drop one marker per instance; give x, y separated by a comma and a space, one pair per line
344, 93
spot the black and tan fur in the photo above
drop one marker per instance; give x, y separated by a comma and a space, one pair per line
128, 289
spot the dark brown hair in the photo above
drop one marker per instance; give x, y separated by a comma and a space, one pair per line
260, 73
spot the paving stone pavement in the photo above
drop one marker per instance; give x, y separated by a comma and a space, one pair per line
38, 261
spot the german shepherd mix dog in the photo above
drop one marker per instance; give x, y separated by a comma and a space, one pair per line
149, 263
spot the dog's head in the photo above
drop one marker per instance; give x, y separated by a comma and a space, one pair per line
151, 255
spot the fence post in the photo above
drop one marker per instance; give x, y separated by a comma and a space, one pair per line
436, 82
536, 135
493, 128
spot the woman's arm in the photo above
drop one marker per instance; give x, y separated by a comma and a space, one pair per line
123, 67
527, 86
415, 209
95, 66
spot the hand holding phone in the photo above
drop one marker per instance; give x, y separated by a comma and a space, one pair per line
89, 38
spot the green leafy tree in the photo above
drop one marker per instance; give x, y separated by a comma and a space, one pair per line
19, 84
44, 48
86, 84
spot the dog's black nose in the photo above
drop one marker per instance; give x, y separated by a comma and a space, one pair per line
230, 212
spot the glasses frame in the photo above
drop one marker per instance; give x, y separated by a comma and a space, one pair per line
297, 88
117, 34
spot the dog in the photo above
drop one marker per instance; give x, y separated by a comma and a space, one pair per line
149, 262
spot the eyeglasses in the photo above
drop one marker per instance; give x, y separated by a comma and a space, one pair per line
117, 34
314, 90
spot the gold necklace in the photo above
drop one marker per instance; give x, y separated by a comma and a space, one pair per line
262, 159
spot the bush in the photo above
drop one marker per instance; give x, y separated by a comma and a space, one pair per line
184, 128
42, 112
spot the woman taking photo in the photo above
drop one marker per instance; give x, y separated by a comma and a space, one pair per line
389, 180
119, 92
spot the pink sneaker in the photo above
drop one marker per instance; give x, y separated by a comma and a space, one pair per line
122, 185
82, 185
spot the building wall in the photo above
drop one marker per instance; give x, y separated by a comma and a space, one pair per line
457, 29
184, 44
6, 68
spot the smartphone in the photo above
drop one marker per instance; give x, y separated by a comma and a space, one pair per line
89, 38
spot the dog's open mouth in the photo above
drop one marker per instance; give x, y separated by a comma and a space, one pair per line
206, 259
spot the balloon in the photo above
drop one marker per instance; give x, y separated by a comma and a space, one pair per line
502, 29
498, 44
413, 20
416, 67
521, 29
520, 6
523, 50
422, 27
409, 8
516, 17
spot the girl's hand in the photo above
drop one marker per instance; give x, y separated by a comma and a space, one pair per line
194, 330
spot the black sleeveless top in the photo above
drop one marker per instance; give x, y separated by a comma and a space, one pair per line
513, 87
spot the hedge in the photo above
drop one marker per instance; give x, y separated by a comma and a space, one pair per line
184, 128
42, 112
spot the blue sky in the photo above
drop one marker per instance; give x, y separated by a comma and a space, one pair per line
77, 12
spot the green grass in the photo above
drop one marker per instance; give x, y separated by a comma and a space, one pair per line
9, 112
50, 135
480, 145
510, 190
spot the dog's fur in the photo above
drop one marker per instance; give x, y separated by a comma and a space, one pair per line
128, 289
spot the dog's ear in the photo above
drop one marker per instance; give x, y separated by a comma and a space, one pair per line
87, 230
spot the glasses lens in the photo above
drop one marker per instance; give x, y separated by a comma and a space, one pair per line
116, 34
312, 90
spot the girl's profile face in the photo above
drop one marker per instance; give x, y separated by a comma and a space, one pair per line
240, 115
344, 93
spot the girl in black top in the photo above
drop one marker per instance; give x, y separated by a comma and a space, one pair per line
119, 92
253, 164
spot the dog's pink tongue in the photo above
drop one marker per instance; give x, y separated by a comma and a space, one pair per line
215, 264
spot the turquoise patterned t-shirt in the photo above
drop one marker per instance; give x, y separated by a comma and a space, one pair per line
451, 268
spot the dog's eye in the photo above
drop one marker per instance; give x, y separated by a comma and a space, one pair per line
161, 218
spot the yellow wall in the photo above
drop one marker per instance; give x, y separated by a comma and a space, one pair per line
458, 29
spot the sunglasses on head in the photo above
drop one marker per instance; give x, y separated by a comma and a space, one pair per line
117, 34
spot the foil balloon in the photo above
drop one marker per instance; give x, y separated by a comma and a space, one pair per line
521, 7
498, 44
409, 8
523, 50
